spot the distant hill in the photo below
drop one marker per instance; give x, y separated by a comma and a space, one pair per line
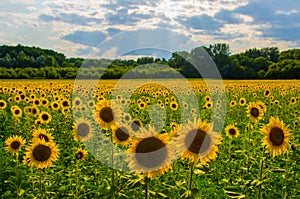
33, 62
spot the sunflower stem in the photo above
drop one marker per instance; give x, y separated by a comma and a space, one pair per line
191, 165
260, 175
17, 174
41, 180
112, 165
146, 187
77, 179
229, 159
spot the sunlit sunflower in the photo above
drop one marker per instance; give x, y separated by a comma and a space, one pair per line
105, 114
243, 101
77, 102
142, 105
197, 140
14, 144
82, 130
254, 111
150, 154
41, 153
232, 131
174, 105
276, 136
41, 134
136, 124
208, 105
293, 100
122, 134
3, 104
45, 117
16, 111
55, 105
81, 154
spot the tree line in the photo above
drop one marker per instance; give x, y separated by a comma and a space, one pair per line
25, 62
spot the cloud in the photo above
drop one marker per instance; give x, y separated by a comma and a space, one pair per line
228, 16
70, 18
153, 52
203, 22
92, 38
113, 31
123, 17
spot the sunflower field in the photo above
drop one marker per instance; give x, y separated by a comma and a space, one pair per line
68, 139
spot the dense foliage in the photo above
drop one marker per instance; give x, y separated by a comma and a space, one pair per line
33, 62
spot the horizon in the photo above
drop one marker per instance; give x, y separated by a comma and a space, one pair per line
76, 28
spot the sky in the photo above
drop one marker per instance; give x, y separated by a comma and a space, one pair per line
79, 28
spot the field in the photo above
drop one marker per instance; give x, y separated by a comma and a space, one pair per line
87, 139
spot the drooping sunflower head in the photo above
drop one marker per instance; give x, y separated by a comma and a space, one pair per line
196, 141
14, 144
232, 131
150, 154
106, 114
41, 134
82, 130
254, 111
276, 136
81, 154
41, 154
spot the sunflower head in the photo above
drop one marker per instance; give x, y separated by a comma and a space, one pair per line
14, 144
81, 154
105, 114
45, 117
41, 154
232, 131
41, 134
122, 134
196, 141
150, 154
276, 136
255, 111
82, 130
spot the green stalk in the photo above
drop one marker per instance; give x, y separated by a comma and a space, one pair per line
260, 175
112, 164
191, 165
146, 187
41, 180
17, 174
229, 159
77, 178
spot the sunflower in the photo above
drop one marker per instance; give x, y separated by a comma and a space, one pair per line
82, 130
174, 105
14, 143
3, 104
262, 106
16, 111
41, 153
41, 134
276, 136
105, 114
243, 101
77, 102
254, 111
81, 154
122, 134
150, 154
136, 124
293, 100
232, 131
55, 105
142, 105
232, 103
197, 141
208, 105
45, 117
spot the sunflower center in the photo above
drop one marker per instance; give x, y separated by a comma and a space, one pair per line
106, 114
17, 112
41, 153
147, 153
122, 134
79, 155
15, 145
45, 117
45, 137
135, 125
232, 132
1, 104
276, 136
83, 129
254, 112
198, 141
